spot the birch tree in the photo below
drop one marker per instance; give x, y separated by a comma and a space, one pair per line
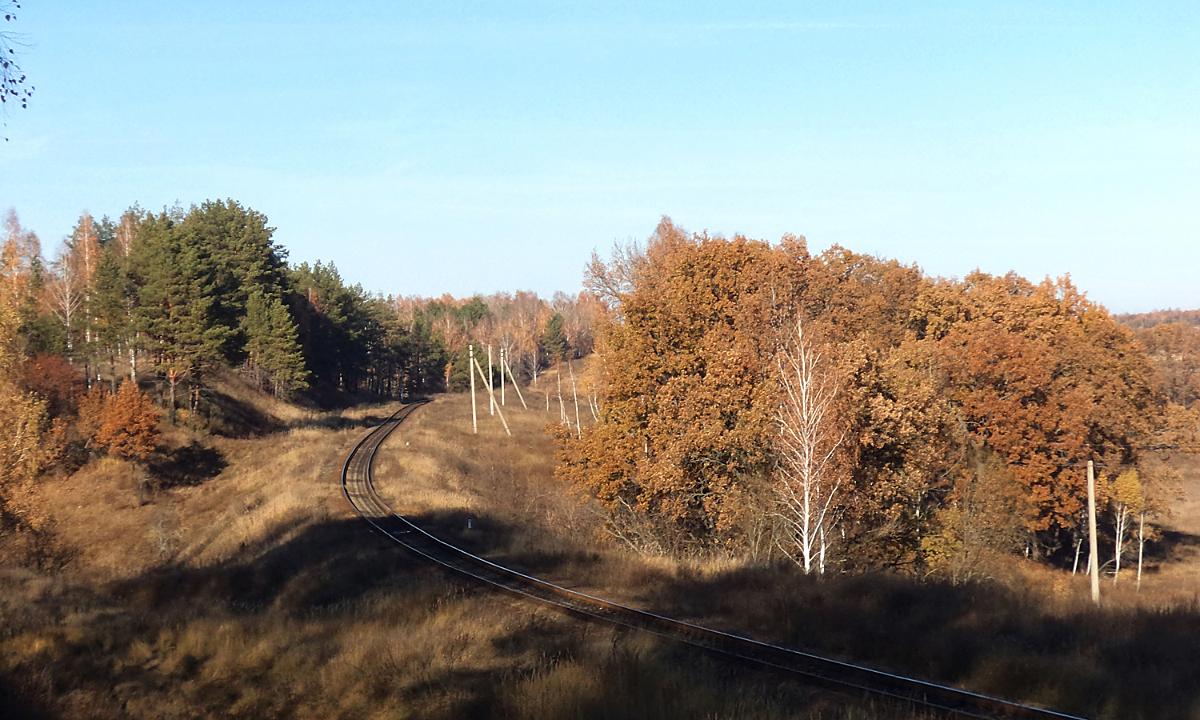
806, 480
64, 293
1127, 500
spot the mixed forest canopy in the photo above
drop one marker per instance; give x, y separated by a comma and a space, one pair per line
749, 398
158, 306
958, 415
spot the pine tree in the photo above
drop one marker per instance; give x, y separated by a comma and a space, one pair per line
109, 309
177, 297
553, 341
244, 259
272, 344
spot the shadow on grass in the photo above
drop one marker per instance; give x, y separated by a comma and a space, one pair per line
185, 466
229, 417
1111, 663
337, 422
1127, 664
13, 705
333, 581
1172, 545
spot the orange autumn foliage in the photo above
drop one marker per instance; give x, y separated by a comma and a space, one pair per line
688, 411
1047, 379
56, 381
129, 423
934, 375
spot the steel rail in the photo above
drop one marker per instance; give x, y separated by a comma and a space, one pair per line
359, 490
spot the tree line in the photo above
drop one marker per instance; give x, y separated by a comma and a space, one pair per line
169, 301
852, 411
176, 295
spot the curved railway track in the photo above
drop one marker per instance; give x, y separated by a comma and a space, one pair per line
360, 493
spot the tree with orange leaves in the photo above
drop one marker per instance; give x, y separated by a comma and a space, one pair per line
687, 419
990, 392
22, 415
1048, 380
129, 424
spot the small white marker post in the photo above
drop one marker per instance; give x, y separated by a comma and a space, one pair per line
470, 364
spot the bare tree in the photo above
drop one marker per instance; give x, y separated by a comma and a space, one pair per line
806, 483
612, 280
13, 88
85, 251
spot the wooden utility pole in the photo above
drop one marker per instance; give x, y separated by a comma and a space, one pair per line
505, 366
1094, 559
498, 410
502, 376
471, 372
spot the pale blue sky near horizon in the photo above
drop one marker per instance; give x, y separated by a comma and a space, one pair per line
474, 147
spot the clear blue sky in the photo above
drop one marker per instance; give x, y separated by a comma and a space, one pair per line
458, 147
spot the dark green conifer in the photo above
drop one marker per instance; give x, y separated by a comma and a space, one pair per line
272, 344
178, 303
109, 308
554, 341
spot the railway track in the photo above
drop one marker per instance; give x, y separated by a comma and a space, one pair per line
360, 493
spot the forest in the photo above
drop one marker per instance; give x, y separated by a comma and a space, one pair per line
171, 300
749, 398
851, 412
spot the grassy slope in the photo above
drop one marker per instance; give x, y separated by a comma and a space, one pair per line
246, 588
1032, 635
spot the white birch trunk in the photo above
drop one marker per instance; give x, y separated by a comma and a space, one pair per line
1122, 518
805, 486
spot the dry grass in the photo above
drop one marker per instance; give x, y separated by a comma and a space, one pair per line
252, 591
1029, 634
246, 588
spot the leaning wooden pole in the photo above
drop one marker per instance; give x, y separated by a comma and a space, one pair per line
470, 363
505, 366
492, 395
1094, 559
488, 380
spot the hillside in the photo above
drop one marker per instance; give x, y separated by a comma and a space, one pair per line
247, 587
250, 590
1139, 321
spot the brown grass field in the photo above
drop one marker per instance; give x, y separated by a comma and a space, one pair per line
242, 585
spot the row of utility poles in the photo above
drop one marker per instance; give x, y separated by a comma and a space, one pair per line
494, 409
488, 381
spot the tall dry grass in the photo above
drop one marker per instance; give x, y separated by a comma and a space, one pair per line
1028, 633
254, 592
